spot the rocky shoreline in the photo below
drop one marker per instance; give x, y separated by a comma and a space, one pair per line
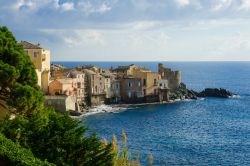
179, 94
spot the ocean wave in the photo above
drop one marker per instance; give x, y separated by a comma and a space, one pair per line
235, 96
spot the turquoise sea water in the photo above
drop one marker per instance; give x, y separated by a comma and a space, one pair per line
212, 131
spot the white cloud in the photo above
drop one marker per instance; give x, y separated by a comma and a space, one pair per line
245, 5
67, 6
144, 25
88, 8
103, 8
233, 47
35, 5
221, 4
19, 4
182, 3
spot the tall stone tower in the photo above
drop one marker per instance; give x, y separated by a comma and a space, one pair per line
173, 77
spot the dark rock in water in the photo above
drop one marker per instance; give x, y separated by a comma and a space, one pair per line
182, 92
215, 92
75, 113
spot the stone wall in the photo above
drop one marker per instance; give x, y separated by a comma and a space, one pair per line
173, 77
61, 103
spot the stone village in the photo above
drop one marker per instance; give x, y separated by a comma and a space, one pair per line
86, 86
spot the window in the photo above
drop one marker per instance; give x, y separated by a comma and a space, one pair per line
79, 85
35, 54
144, 82
161, 84
129, 94
155, 82
129, 84
139, 84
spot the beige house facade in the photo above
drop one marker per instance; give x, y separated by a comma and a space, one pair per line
40, 57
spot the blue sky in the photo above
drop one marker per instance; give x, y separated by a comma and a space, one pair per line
133, 30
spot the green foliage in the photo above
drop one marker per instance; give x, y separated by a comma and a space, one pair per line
57, 138
8, 75
16, 70
26, 99
49, 135
13, 154
12, 54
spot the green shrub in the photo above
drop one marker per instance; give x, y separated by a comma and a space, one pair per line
13, 154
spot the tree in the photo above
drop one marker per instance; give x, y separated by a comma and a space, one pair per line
16, 70
57, 138
13, 154
49, 135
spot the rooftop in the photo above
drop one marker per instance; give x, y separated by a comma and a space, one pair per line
28, 45
123, 67
76, 72
87, 71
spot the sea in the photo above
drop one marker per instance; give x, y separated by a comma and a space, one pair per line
208, 131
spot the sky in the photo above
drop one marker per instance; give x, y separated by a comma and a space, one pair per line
133, 30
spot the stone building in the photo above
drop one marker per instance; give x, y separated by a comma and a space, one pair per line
64, 86
115, 91
163, 90
173, 77
124, 71
79, 81
131, 90
61, 103
40, 57
149, 83
95, 88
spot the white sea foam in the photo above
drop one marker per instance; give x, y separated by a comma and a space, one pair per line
104, 109
235, 96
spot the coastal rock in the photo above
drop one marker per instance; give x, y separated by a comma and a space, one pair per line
182, 92
215, 92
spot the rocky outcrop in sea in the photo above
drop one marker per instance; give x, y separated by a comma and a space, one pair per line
183, 93
215, 92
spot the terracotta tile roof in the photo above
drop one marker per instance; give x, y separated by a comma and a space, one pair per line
27, 45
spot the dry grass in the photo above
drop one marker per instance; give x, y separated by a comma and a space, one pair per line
121, 155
